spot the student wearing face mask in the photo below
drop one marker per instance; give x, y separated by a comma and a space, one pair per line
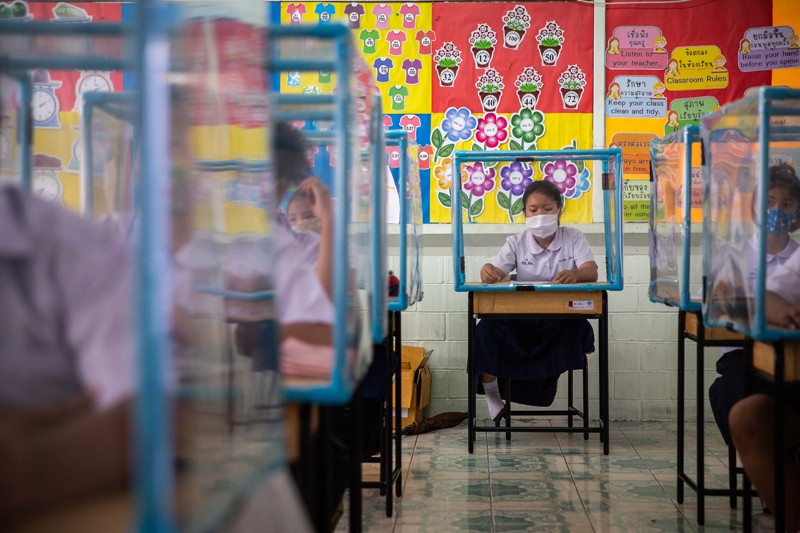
783, 205
535, 352
301, 216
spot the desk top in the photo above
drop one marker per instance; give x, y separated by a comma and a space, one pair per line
764, 359
536, 286
711, 334
538, 303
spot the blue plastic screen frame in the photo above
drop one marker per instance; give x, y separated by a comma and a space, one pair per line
768, 102
399, 138
24, 127
379, 282
613, 264
339, 389
687, 136
148, 55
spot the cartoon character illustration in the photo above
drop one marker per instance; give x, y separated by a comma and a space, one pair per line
658, 45
613, 46
658, 90
744, 46
719, 64
613, 91
672, 68
672, 120
794, 41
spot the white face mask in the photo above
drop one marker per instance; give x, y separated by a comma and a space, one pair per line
542, 226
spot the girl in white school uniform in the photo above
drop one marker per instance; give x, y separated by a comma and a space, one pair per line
535, 352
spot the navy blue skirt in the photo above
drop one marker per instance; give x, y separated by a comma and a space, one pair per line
531, 349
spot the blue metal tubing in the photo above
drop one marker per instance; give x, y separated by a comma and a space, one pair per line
760, 318
539, 155
378, 227
400, 138
303, 99
320, 31
615, 273
339, 389
25, 129
291, 116
154, 473
233, 295
301, 65
691, 134
64, 63
49, 29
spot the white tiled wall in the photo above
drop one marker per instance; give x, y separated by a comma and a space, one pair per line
643, 358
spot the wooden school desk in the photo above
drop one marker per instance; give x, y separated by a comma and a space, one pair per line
525, 302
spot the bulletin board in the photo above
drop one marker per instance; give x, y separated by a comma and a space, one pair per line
438, 66
667, 67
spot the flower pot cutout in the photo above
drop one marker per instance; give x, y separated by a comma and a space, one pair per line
483, 39
447, 75
489, 101
550, 39
512, 38
549, 54
515, 23
447, 59
528, 99
483, 56
571, 97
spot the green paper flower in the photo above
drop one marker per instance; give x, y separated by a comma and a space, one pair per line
527, 125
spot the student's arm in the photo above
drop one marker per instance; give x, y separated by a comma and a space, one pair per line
782, 313
586, 273
319, 199
498, 269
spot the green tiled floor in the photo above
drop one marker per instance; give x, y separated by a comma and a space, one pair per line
554, 482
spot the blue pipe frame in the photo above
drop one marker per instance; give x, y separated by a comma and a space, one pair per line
611, 160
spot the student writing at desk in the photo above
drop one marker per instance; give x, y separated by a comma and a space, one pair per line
534, 352
752, 419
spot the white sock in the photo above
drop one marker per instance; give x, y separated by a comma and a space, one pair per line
493, 399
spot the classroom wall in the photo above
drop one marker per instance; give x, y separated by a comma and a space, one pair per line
642, 335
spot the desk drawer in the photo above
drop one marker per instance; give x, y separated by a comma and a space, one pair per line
533, 302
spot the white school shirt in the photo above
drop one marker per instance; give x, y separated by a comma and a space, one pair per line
301, 296
66, 313
569, 250
785, 279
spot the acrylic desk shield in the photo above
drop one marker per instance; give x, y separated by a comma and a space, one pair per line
742, 141
676, 251
13, 142
410, 223
336, 123
515, 170
373, 157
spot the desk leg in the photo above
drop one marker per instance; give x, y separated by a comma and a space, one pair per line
701, 393
472, 390
604, 415
386, 427
398, 398
570, 394
586, 399
732, 477
681, 395
747, 389
780, 397
356, 447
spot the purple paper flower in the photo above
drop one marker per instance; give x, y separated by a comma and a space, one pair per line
516, 178
480, 180
459, 124
562, 173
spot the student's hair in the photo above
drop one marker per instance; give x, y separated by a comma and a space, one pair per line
784, 175
291, 163
544, 187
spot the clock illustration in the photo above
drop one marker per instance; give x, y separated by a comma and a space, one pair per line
44, 103
92, 81
75, 154
45, 183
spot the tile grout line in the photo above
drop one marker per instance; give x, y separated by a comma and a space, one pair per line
572, 478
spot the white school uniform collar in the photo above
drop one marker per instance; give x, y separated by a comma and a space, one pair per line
536, 248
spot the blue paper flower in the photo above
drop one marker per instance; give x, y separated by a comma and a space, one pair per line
459, 124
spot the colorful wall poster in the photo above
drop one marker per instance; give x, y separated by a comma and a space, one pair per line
700, 74
769, 48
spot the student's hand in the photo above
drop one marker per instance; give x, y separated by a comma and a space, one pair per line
566, 277
319, 198
782, 313
491, 274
